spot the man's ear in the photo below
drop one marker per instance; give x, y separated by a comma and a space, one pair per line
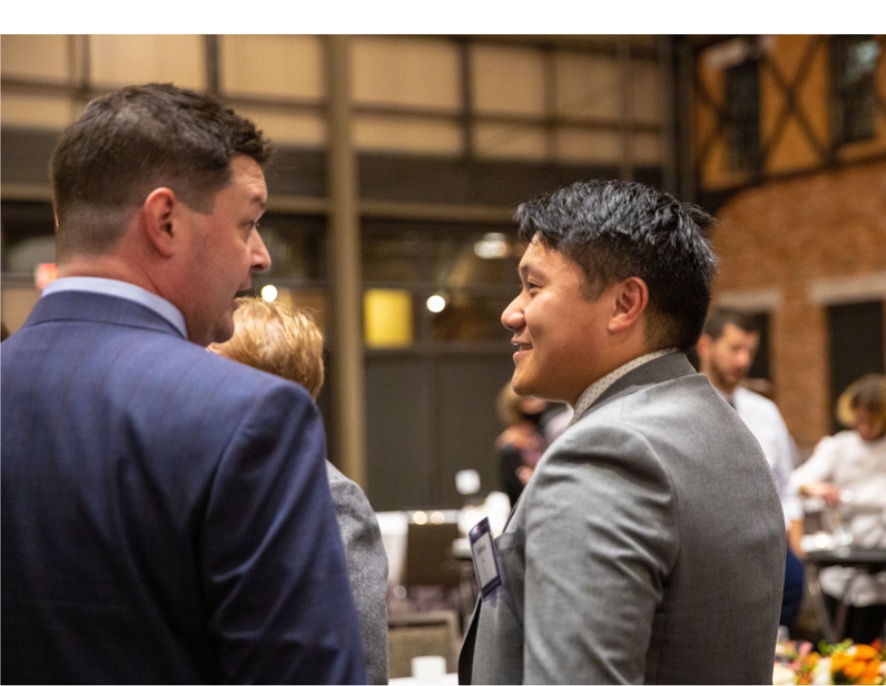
631, 298
159, 218
703, 345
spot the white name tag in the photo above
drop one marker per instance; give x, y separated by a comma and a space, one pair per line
485, 556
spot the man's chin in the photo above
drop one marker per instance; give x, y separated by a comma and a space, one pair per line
521, 385
736, 379
225, 329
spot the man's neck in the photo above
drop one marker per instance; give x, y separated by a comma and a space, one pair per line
99, 266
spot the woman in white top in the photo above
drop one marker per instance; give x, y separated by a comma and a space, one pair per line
848, 471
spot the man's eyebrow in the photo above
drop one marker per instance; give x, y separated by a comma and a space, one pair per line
527, 274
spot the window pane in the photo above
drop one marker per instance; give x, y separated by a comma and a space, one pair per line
28, 237
587, 86
854, 67
282, 66
496, 70
39, 111
471, 317
743, 115
286, 126
483, 257
392, 258
122, 60
512, 140
407, 134
410, 72
579, 145
297, 246
855, 344
647, 104
36, 57
443, 255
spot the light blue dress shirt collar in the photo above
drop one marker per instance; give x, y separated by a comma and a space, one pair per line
121, 289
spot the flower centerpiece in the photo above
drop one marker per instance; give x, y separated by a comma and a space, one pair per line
840, 663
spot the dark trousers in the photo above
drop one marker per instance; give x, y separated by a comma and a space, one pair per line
794, 582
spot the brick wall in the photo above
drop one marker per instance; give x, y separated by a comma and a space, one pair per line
793, 247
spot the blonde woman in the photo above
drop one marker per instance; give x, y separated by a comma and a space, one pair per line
521, 444
848, 471
287, 342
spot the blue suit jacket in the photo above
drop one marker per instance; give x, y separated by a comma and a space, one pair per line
166, 515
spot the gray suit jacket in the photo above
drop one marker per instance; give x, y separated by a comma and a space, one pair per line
367, 569
648, 547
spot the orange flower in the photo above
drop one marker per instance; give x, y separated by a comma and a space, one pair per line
848, 664
839, 661
865, 652
853, 670
872, 673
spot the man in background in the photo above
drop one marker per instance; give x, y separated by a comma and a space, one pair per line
166, 516
726, 352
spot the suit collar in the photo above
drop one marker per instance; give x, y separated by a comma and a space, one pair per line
98, 308
661, 369
121, 289
590, 395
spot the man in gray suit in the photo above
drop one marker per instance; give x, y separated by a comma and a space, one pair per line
649, 544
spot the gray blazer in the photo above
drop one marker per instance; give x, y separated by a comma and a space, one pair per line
648, 547
367, 569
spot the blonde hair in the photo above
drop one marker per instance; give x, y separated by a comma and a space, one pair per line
278, 339
507, 405
867, 393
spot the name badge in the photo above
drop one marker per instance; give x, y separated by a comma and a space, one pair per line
485, 556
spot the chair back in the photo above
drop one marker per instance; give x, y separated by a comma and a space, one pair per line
429, 557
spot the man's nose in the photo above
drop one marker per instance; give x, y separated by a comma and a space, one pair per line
261, 258
512, 317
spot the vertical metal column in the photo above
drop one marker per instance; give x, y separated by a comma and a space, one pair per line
687, 166
669, 129
212, 64
344, 227
626, 106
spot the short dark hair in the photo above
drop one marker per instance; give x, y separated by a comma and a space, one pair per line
133, 140
617, 229
719, 318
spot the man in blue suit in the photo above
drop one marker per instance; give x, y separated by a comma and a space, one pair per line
166, 516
